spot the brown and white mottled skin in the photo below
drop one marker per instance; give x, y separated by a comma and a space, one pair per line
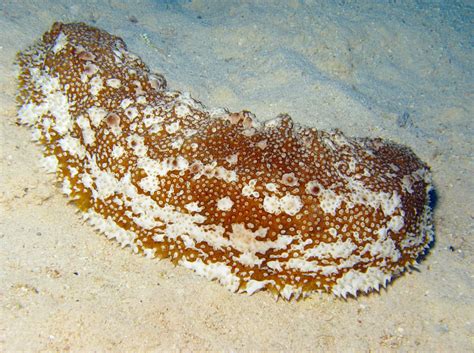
254, 205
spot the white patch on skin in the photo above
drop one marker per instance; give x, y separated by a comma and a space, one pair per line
149, 253
114, 83
152, 167
255, 286
407, 185
384, 247
155, 129
138, 88
229, 176
389, 205
36, 135
156, 168
422, 174
142, 100
73, 146
137, 144
176, 144
329, 201
190, 132
352, 165
97, 114
396, 223
125, 103
90, 70
289, 291
117, 151
193, 207
116, 129
152, 120
97, 85
182, 110
275, 265
339, 249
271, 204
105, 182
149, 111
88, 134
30, 113
388, 202
249, 189
248, 132
73, 171
289, 204
246, 240
233, 159
289, 179
46, 83
158, 238
225, 204
131, 113
181, 163
49, 164
66, 187
149, 184
59, 108
172, 128
47, 124
54, 101
248, 259
262, 144
60, 43
86, 180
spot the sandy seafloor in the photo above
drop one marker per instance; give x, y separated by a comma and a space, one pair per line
402, 70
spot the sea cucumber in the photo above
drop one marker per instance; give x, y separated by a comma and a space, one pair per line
254, 205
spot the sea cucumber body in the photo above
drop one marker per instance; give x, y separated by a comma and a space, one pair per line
253, 205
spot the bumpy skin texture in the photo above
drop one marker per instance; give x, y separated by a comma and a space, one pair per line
254, 205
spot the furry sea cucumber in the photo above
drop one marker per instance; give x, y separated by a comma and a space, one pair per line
254, 205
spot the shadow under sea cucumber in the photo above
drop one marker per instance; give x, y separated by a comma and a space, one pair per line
254, 205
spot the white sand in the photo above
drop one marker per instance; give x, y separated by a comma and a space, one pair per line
358, 68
